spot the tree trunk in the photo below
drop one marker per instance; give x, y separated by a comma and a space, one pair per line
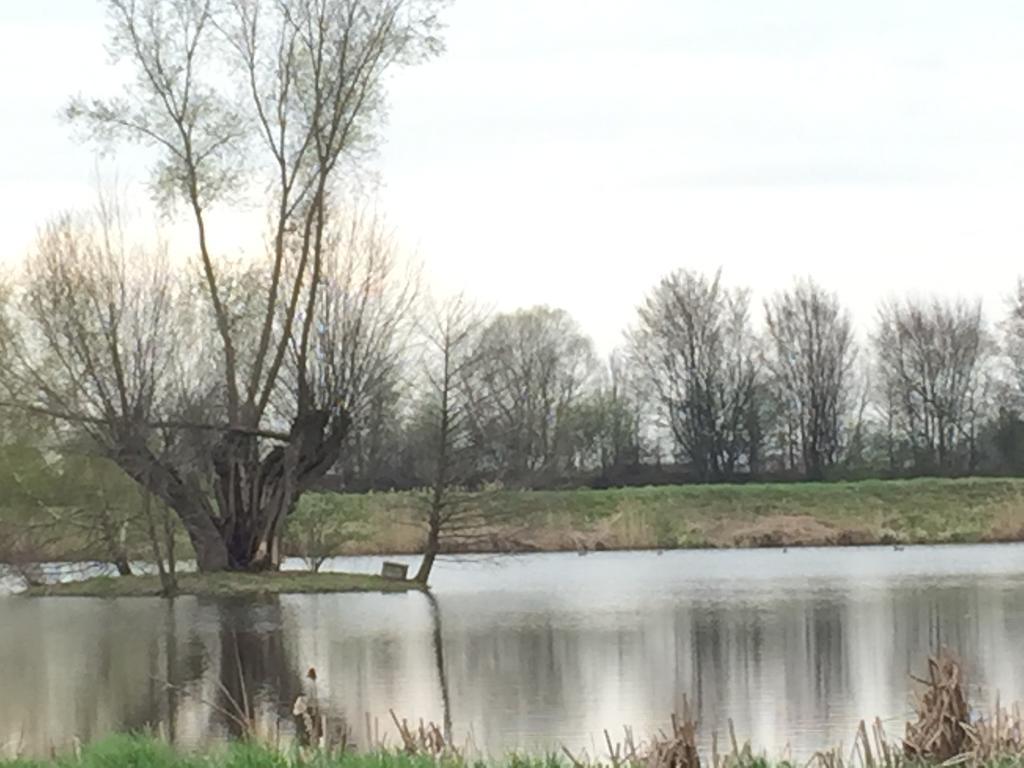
115, 542
253, 495
429, 555
211, 553
433, 544
256, 494
423, 574
187, 500
254, 498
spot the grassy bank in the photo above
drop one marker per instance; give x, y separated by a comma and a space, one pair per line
225, 584
920, 511
916, 511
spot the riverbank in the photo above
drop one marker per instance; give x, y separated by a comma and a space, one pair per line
887, 512
919, 511
225, 585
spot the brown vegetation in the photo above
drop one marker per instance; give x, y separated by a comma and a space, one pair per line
921, 511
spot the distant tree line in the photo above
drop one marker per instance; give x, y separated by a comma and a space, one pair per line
708, 387
113, 394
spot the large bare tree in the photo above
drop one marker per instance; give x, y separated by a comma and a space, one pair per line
235, 98
811, 362
694, 344
932, 359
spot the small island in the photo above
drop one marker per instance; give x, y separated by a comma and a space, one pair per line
226, 584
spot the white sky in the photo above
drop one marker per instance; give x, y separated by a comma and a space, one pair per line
570, 152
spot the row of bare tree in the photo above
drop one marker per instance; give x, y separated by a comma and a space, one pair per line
702, 394
111, 347
803, 395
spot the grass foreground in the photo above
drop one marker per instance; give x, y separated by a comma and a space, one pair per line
139, 751
225, 584
144, 752
944, 733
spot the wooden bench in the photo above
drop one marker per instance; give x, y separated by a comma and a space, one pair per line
397, 571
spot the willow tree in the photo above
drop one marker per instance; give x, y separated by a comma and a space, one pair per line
235, 98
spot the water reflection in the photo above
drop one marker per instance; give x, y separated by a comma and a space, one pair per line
529, 652
437, 639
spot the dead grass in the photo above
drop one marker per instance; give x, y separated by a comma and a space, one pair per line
943, 734
922, 511
789, 531
940, 732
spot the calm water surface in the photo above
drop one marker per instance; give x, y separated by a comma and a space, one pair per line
535, 651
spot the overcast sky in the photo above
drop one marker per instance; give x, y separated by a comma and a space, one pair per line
570, 152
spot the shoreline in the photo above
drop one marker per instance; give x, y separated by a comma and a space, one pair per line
797, 543
568, 550
918, 512
299, 581
747, 516
225, 584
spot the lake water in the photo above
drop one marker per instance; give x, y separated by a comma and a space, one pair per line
535, 651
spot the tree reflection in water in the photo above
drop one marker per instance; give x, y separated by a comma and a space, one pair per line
541, 651
442, 675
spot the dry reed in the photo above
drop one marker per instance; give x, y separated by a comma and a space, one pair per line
943, 733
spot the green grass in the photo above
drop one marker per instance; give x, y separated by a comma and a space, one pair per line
939, 499
919, 511
143, 752
225, 584
927, 510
